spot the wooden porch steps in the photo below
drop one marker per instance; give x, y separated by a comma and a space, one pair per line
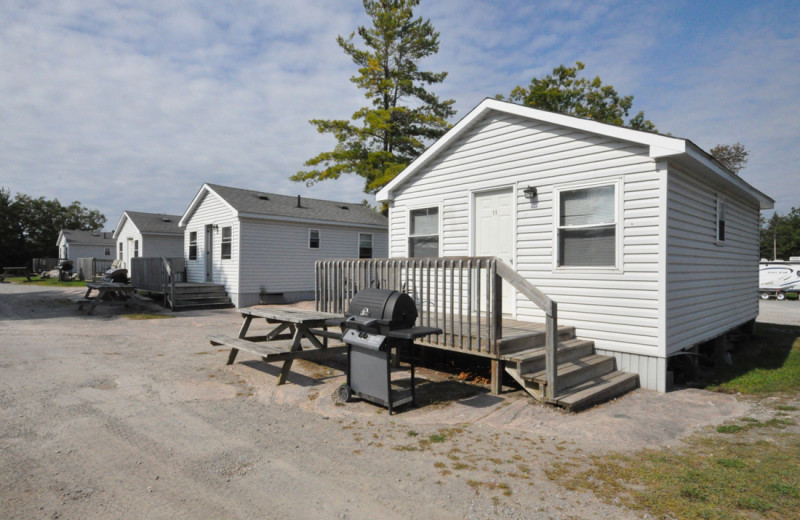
584, 378
189, 296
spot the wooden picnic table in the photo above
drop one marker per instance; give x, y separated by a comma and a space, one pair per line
107, 292
291, 323
15, 271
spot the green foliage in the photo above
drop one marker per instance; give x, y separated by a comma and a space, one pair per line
564, 92
382, 139
29, 226
780, 236
733, 157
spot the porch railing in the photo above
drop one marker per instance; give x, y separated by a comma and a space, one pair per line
91, 269
461, 295
158, 275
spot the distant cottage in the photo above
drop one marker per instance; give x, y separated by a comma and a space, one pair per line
147, 235
74, 243
263, 246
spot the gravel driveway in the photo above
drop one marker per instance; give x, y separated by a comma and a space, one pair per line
103, 417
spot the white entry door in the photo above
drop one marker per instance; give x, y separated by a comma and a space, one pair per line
209, 253
494, 233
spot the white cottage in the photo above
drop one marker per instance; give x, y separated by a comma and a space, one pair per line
74, 243
147, 235
646, 243
263, 245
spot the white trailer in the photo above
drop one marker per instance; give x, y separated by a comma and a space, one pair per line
777, 278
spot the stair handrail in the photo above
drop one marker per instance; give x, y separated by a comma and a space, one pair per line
550, 308
168, 283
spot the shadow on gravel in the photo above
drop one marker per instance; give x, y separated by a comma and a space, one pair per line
38, 305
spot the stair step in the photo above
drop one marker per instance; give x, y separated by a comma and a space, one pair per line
196, 306
210, 301
574, 372
597, 390
532, 339
536, 353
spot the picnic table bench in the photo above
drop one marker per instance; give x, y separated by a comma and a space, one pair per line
15, 271
291, 324
109, 293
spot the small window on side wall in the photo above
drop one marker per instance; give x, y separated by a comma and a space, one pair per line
136, 249
226, 243
193, 245
119, 257
108, 251
313, 238
423, 236
720, 220
365, 245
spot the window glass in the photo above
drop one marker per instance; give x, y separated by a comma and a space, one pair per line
313, 238
136, 249
120, 251
720, 220
365, 245
423, 240
587, 231
193, 245
226, 243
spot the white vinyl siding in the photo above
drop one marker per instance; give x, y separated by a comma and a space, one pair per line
155, 246
618, 309
275, 256
710, 289
212, 210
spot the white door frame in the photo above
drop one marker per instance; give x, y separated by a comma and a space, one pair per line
509, 295
208, 254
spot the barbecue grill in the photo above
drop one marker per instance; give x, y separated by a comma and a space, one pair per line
377, 321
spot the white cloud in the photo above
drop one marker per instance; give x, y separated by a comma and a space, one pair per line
133, 105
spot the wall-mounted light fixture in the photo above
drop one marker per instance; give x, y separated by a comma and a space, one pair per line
215, 227
529, 192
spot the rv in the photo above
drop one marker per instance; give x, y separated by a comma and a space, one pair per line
777, 278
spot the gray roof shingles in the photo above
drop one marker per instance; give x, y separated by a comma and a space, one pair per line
253, 202
159, 223
89, 238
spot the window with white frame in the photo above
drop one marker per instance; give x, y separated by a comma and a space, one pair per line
365, 245
119, 257
313, 238
136, 249
193, 245
720, 220
423, 236
225, 250
108, 251
587, 226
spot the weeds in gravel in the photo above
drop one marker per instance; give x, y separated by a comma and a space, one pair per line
147, 316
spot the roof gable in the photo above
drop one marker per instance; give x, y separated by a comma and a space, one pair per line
658, 146
150, 223
85, 238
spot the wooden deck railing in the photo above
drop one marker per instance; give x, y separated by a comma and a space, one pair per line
460, 295
158, 275
91, 269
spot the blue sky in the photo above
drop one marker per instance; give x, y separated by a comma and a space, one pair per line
132, 105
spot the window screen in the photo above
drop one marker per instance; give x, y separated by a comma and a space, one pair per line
193, 245
365, 245
423, 240
226, 243
587, 227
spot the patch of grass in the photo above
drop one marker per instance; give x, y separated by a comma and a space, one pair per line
729, 428
48, 282
768, 364
786, 408
147, 316
412, 433
710, 476
437, 438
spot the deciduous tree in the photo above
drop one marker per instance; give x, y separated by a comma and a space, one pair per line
733, 156
564, 92
403, 117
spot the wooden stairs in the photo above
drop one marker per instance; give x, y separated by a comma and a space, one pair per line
191, 296
584, 378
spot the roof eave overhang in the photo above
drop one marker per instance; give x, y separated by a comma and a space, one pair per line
201, 193
299, 220
121, 223
659, 146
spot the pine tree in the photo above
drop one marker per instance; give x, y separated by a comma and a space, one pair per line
404, 117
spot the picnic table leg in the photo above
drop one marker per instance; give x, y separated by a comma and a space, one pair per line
287, 365
245, 326
100, 295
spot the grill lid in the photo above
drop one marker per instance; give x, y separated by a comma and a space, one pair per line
381, 310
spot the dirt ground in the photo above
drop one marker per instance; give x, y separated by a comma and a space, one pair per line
103, 417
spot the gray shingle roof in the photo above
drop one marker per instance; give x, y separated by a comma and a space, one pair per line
260, 203
89, 238
155, 222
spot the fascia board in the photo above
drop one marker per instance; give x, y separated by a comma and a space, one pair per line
121, 223
205, 189
698, 155
295, 220
659, 145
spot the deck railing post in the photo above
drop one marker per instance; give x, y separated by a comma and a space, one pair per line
551, 354
497, 326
